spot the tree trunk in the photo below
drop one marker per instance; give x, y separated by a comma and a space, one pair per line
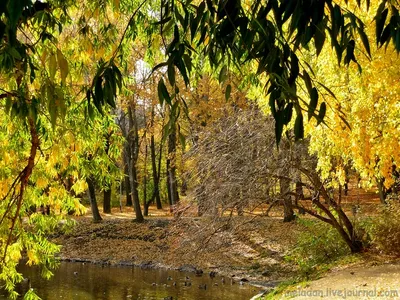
135, 193
146, 203
284, 183
343, 224
288, 213
107, 201
156, 174
92, 198
382, 191
127, 184
133, 142
173, 196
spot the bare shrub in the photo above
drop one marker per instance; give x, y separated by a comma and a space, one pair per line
384, 228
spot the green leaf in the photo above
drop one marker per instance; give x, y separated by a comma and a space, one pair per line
299, 127
287, 113
228, 92
294, 68
194, 23
182, 139
307, 81
98, 97
163, 94
364, 40
322, 112
164, 64
15, 8
188, 62
171, 73
319, 37
313, 103
380, 22
223, 74
118, 77
14, 53
181, 67
108, 94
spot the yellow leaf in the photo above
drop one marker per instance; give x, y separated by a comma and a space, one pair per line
32, 258
41, 182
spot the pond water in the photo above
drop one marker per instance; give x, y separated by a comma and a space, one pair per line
90, 281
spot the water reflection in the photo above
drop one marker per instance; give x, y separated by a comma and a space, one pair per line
88, 281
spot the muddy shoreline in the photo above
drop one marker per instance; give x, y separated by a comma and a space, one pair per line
251, 252
266, 286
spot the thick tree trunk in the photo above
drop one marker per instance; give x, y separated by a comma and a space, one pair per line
341, 223
284, 183
288, 213
299, 196
107, 201
382, 191
92, 198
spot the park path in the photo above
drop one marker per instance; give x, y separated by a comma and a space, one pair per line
363, 282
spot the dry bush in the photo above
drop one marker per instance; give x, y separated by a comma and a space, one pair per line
237, 166
384, 228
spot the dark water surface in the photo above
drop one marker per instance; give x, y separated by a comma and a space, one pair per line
90, 281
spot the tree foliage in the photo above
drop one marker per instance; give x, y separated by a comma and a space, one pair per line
65, 67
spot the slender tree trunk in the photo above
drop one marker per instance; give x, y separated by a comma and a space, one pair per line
126, 154
107, 190
127, 184
156, 174
346, 181
92, 198
146, 203
172, 186
107, 201
133, 140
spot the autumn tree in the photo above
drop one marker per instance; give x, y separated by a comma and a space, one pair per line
363, 135
57, 57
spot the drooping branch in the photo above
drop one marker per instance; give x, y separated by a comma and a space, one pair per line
23, 181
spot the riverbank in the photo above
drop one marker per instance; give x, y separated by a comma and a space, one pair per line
245, 248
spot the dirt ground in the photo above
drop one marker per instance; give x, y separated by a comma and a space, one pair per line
252, 247
247, 247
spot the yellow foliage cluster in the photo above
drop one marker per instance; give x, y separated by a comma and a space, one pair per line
370, 103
